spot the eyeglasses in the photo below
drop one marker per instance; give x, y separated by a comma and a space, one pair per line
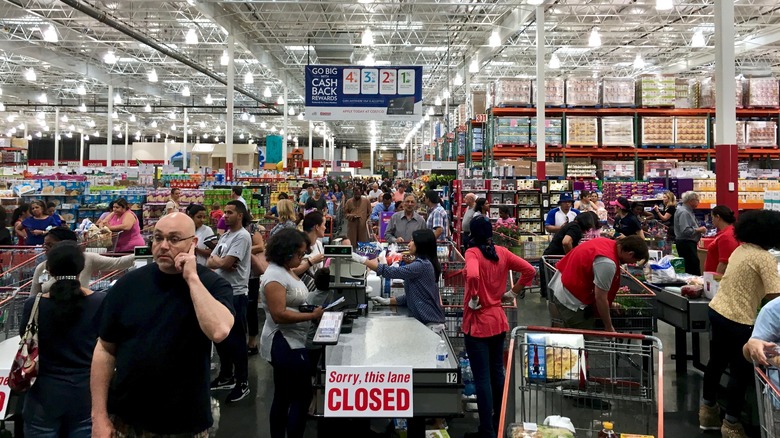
173, 240
300, 254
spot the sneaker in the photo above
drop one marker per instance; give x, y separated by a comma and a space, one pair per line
732, 430
223, 383
709, 417
240, 391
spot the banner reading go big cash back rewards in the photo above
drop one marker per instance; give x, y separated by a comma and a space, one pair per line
363, 93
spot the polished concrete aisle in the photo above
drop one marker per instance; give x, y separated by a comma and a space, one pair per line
249, 417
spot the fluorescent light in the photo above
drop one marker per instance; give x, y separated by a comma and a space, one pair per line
202, 125
153, 76
446, 94
83, 108
191, 37
244, 116
280, 100
172, 115
71, 128
430, 110
300, 116
173, 127
273, 128
664, 5
437, 102
64, 118
535, 2
2, 107
50, 35
30, 75
81, 90
241, 136
595, 38
158, 136
252, 119
698, 39
43, 98
132, 118
639, 63
91, 123
185, 91
291, 111
267, 92
474, 66
555, 63
223, 60
369, 61
118, 99
368, 37
154, 124
189, 131
209, 100
114, 115
109, 57
148, 108
495, 39
263, 125
458, 81
248, 78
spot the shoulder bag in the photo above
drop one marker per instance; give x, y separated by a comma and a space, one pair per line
25, 366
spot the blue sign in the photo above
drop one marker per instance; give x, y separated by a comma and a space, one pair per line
363, 93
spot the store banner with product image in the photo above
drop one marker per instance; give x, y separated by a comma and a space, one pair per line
368, 392
363, 93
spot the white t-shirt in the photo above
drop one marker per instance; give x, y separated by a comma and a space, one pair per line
374, 194
203, 233
317, 248
239, 245
297, 292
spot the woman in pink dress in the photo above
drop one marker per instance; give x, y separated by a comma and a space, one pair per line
124, 221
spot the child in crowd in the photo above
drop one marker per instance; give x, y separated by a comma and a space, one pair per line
216, 214
504, 219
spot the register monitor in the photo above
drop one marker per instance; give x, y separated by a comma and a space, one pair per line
143, 256
348, 279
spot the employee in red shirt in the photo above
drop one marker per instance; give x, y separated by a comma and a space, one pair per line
484, 322
725, 243
588, 277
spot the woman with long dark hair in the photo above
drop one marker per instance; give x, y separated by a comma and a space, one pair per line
484, 321
59, 404
21, 213
36, 225
421, 280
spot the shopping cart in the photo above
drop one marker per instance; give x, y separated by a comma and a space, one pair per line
102, 281
11, 308
99, 242
632, 311
616, 377
768, 394
18, 264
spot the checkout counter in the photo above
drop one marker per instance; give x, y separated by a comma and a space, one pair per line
382, 336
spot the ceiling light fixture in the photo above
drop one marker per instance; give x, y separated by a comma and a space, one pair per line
132, 118
191, 37
437, 101
172, 115
495, 39
153, 76
555, 63
263, 125
368, 37
91, 123
474, 66
30, 75
267, 92
664, 5
118, 99
43, 98
173, 127
248, 78
639, 63
244, 116
83, 108
148, 108
109, 57
2, 107
202, 125
114, 115
252, 119
430, 111
189, 131
50, 35
280, 100
153, 124
698, 39
370, 60
458, 81
291, 111
209, 99
241, 136
185, 91
535, 2
40, 116
71, 128
64, 118
81, 90
595, 38
446, 94
300, 116
223, 60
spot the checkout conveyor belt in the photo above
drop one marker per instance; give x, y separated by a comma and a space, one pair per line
388, 337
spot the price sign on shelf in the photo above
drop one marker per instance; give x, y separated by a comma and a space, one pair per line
368, 392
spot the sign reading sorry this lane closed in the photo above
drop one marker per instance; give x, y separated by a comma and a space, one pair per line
363, 93
368, 392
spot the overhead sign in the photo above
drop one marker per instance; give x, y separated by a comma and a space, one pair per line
363, 93
368, 392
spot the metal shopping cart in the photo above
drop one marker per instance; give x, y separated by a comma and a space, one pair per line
616, 377
632, 310
102, 281
18, 264
768, 394
11, 307
100, 242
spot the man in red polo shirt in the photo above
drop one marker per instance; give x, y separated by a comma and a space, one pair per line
588, 278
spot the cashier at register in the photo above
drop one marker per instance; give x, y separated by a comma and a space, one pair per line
421, 279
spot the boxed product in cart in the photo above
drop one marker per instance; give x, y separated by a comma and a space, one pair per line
555, 357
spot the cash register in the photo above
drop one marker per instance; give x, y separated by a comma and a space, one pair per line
348, 279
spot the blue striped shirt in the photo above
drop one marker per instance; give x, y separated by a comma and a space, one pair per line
421, 290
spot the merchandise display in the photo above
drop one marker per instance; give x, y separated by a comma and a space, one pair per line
581, 170
507, 92
657, 91
618, 169
582, 131
554, 91
690, 131
759, 134
657, 131
763, 93
741, 133
687, 93
618, 92
617, 131
582, 91
512, 130
707, 92
552, 131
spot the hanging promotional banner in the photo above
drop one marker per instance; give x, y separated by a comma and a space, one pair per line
363, 93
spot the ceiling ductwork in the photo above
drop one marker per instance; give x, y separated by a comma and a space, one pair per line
338, 51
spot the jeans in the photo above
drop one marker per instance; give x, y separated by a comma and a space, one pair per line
486, 356
233, 355
40, 425
728, 337
253, 327
688, 250
292, 389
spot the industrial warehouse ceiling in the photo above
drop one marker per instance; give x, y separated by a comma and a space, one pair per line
70, 51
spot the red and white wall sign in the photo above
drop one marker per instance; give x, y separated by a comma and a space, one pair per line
368, 392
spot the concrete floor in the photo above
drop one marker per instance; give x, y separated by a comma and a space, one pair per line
249, 417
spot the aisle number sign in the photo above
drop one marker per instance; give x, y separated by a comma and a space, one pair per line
368, 392
363, 93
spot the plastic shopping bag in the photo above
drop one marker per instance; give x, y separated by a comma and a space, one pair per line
662, 271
